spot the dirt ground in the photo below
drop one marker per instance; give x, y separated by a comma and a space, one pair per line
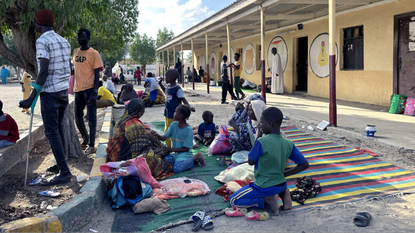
17, 203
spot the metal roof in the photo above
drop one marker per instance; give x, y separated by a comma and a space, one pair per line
244, 19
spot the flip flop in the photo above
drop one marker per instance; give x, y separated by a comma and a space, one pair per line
253, 215
235, 211
49, 193
198, 218
36, 180
362, 219
207, 223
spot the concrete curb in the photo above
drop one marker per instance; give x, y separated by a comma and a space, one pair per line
74, 214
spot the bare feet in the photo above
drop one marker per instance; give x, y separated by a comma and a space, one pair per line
286, 199
199, 157
273, 202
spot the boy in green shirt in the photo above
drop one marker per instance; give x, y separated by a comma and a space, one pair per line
269, 155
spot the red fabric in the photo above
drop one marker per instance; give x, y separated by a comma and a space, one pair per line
8, 128
137, 74
367, 151
223, 191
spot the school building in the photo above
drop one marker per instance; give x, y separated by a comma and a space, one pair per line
375, 45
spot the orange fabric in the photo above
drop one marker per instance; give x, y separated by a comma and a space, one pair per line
85, 63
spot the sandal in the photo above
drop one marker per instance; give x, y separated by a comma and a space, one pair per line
253, 215
362, 219
49, 193
235, 211
198, 218
207, 223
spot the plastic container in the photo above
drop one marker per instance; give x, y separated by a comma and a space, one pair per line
81, 178
370, 130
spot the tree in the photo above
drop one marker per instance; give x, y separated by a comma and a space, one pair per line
8, 41
111, 22
114, 56
143, 50
164, 35
189, 57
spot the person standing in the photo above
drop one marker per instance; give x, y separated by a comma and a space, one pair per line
226, 86
26, 83
277, 80
5, 73
178, 67
137, 76
52, 83
201, 73
122, 77
237, 74
87, 66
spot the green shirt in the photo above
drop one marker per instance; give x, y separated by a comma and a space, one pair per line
270, 154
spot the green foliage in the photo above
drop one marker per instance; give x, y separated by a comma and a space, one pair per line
164, 35
8, 40
143, 50
189, 57
114, 56
112, 22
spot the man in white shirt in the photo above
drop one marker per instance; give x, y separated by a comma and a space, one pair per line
108, 84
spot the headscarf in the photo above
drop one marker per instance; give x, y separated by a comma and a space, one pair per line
255, 97
258, 106
128, 93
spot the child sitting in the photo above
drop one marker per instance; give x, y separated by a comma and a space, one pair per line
206, 130
182, 136
174, 97
269, 155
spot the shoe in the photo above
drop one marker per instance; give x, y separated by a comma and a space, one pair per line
84, 146
224, 102
53, 169
90, 150
243, 97
59, 179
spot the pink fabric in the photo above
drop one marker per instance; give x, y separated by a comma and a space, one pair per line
221, 143
71, 84
134, 167
410, 107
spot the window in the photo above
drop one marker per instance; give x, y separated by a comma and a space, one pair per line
353, 48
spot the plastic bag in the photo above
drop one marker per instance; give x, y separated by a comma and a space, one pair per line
240, 156
184, 187
397, 105
410, 107
134, 167
247, 84
221, 143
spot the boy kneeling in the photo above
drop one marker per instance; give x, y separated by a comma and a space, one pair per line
269, 155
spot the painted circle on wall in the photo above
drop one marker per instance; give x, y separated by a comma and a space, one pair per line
213, 64
319, 55
232, 58
282, 50
249, 59
202, 61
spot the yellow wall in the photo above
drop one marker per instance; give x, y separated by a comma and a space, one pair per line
373, 85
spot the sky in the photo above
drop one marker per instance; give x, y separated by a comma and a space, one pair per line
176, 15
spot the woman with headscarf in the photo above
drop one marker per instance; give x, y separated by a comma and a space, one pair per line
132, 138
244, 135
241, 112
128, 93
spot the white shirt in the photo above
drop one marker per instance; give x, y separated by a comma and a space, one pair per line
57, 50
109, 86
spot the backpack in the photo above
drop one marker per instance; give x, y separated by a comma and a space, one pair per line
127, 191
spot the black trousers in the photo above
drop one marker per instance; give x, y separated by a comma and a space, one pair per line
227, 87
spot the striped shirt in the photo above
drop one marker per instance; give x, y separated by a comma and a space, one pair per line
57, 50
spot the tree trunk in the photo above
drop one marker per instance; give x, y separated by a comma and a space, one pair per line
72, 145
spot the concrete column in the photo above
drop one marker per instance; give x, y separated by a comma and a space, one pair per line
162, 63
168, 59
193, 64
263, 83
181, 47
207, 61
174, 56
228, 31
332, 62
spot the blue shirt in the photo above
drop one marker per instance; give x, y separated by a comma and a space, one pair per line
207, 130
173, 96
180, 138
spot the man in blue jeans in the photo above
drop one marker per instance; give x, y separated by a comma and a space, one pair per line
52, 83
